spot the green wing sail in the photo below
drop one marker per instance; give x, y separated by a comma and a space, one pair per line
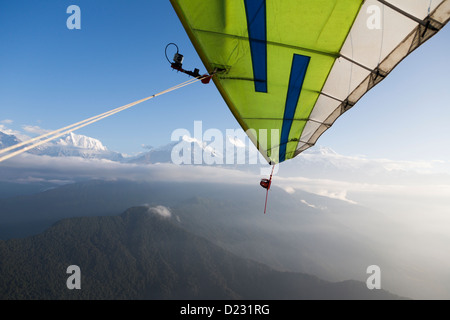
292, 67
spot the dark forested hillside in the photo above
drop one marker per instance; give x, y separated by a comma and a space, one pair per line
292, 236
141, 255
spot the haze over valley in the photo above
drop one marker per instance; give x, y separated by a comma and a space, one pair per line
322, 219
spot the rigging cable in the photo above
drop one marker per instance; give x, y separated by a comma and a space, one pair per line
165, 51
68, 129
268, 188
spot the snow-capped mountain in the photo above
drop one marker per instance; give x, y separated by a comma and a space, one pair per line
80, 141
317, 162
74, 145
7, 140
155, 155
70, 145
321, 150
193, 151
231, 152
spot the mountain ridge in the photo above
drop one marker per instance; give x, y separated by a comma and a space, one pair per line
228, 215
69, 145
140, 255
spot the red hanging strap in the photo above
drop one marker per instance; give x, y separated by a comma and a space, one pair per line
265, 183
265, 206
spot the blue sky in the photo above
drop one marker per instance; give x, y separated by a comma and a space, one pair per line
51, 76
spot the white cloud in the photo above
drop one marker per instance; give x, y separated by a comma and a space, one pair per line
35, 129
7, 121
356, 189
236, 141
6, 130
289, 189
406, 204
12, 132
308, 204
75, 168
161, 211
370, 166
324, 187
336, 194
419, 166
